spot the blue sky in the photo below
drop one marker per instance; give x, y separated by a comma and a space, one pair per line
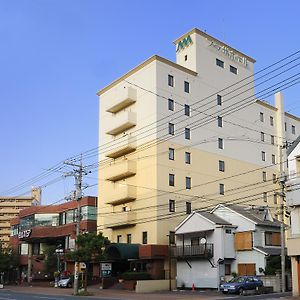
56, 54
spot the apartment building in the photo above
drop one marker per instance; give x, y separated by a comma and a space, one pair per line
179, 136
10, 206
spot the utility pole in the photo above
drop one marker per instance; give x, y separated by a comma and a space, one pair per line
78, 173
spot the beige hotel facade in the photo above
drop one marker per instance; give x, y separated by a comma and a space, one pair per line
180, 136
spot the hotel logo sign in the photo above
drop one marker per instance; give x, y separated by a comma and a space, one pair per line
229, 53
185, 42
24, 234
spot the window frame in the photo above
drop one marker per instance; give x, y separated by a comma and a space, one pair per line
171, 154
171, 104
220, 143
187, 157
221, 188
188, 207
187, 133
171, 179
187, 110
188, 182
220, 63
186, 85
171, 205
171, 129
170, 80
233, 70
221, 165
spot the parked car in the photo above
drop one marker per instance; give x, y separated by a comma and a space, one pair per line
66, 282
239, 284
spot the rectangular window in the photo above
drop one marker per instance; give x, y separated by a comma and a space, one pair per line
220, 143
227, 269
170, 80
273, 159
187, 110
195, 241
187, 133
220, 122
188, 183
271, 121
263, 155
233, 70
221, 188
261, 117
264, 176
171, 154
185, 58
171, 104
262, 136
275, 199
219, 63
285, 126
274, 178
171, 128
221, 165
186, 87
171, 237
272, 140
188, 158
119, 238
171, 205
188, 208
293, 129
219, 100
265, 196
171, 179
129, 238
145, 237
272, 238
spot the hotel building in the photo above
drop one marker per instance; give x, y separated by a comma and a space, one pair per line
180, 136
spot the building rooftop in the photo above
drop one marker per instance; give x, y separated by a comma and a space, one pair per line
213, 218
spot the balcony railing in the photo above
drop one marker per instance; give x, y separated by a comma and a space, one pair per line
126, 98
202, 250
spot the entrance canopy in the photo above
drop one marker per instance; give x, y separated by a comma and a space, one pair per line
119, 251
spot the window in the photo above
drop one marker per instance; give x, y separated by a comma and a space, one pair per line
187, 110
263, 156
221, 165
171, 237
171, 180
272, 238
188, 158
284, 126
119, 238
188, 208
227, 269
220, 143
129, 238
219, 63
36, 249
171, 104
171, 154
185, 58
171, 128
186, 87
221, 189
272, 140
274, 178
233, 70
171, 205
219, 100
275, 199
170, 80
261, 117
144, 237
188, 183
293, 129
220, 122
228, 231
262, 136
264, 176
271, 121
273, 159
265, 196
187, 133
195, 241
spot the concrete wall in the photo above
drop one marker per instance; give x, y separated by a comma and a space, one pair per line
150, 286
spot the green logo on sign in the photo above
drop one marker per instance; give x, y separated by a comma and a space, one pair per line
184, 43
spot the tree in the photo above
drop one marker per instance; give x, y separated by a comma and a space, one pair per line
50, 259
9, 261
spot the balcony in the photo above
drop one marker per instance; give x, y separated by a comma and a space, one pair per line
126, 98
128, 145
121, 220
121, 122
121, 194
121, 170
199, 251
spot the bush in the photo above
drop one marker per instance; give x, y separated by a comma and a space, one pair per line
136, 276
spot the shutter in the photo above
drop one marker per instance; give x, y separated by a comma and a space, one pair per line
276, 240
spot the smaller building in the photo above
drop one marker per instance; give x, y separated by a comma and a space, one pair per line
211, 246
36, 228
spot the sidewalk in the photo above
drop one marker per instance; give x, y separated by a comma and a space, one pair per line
126, 295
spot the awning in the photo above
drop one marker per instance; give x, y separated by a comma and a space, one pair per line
119, 251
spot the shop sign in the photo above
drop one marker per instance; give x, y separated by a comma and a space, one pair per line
185, 42
228, 52
24, 234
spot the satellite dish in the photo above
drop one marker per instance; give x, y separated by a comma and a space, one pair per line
203, 241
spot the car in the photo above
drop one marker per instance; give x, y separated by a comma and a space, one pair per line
238, 285
65, 282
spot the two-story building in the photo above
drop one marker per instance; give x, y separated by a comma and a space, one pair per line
36, 228
229, 239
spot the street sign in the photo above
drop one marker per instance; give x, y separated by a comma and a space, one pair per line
82, 266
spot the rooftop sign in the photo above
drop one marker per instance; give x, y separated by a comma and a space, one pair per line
229, 52
185, 42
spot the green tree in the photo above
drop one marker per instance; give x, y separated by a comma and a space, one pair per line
50, 263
